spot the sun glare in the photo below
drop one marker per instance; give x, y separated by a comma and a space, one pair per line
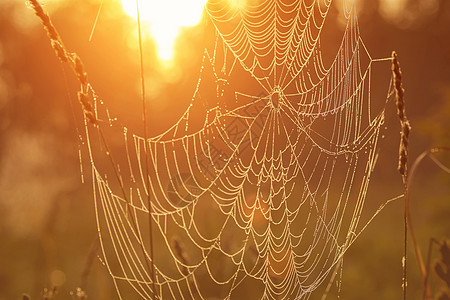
164, 19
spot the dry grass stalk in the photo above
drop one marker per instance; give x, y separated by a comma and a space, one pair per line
95, 247
403, 157
401, 112
181, 254
442, 268
403, 169
424, 271
184, 259
85, 96
71, 58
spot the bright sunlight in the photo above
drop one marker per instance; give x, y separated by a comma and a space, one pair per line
164, 19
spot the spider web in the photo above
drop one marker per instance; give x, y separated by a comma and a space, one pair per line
257, 191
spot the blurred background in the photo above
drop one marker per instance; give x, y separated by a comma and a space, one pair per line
47, 220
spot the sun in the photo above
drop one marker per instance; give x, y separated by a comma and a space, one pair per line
164, 19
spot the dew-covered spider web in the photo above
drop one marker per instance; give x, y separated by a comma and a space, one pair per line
257, 191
